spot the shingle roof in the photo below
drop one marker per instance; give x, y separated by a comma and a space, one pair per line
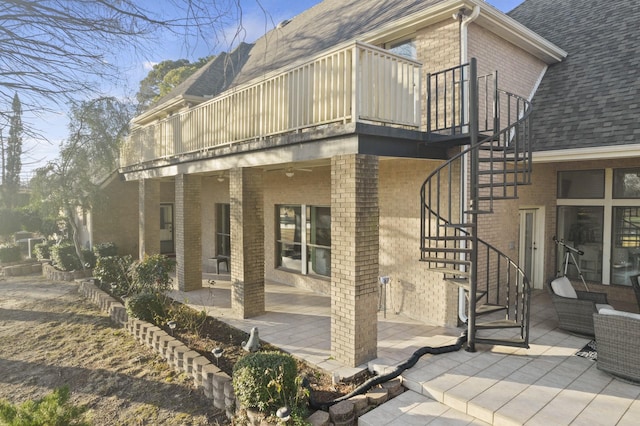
213, 78
321, 27
592, 98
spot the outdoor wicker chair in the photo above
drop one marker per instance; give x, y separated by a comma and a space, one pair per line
575, 309
635, 284
618, 343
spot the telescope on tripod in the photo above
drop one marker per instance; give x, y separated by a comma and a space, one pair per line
569, 254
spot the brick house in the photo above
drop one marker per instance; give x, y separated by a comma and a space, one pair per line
302, 158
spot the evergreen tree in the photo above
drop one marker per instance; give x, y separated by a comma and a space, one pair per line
12, 160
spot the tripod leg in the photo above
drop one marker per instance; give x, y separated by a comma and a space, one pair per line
579, 271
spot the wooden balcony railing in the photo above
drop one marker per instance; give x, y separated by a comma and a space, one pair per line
356, 83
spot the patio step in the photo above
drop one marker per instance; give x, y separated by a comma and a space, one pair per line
422, 410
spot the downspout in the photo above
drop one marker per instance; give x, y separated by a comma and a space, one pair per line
464, 193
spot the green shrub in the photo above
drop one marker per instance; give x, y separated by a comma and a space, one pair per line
64, 257
149, 307
267, 381
9, 253
105, 249
90, 258
42, 251
52, 410
151, 274
113, 273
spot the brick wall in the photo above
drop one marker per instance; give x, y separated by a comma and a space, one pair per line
115, 218
354, 258
438, 48
188, 232
247, 241
414, 290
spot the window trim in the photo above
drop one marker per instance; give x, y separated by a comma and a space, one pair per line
608, 202
304, 244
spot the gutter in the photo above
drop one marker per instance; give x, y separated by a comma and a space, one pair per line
464, 176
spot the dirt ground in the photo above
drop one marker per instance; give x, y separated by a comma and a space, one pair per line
50, 336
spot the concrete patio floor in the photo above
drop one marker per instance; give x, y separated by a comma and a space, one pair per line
546, 384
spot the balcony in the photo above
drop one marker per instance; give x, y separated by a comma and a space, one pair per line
357, 83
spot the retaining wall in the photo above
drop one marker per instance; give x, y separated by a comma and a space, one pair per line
215, 383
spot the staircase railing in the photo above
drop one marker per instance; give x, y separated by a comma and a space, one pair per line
497, 163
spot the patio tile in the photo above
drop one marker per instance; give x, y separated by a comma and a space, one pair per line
501, 385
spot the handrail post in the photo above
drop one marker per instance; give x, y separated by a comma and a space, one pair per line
473, 133
355, 85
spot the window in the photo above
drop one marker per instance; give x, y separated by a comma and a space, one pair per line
308, 250
223, 230
599, 214
626, 183
580, 227
406, 48
581, 184
166, 229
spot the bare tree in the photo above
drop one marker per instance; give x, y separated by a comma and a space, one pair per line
53, 51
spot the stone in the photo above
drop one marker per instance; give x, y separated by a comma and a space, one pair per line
342, 413
319, 418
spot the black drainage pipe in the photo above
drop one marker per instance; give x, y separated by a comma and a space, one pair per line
388, 376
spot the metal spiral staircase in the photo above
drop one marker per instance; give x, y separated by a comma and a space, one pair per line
490, 129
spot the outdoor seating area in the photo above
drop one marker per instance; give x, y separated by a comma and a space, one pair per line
575, 308
547, 383
618, 341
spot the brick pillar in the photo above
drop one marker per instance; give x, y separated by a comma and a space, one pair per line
247, 242
354, 258
149, 217
188, 232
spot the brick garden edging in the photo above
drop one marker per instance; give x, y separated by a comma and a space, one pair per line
53, 274
21, 270
215, 383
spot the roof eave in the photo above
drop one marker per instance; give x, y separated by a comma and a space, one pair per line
586, 154
162, 110
516, 33
490, 18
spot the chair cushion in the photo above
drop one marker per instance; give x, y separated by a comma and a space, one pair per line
603, 306
563, 288
619, 313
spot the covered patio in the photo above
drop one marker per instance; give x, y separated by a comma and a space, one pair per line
546, 384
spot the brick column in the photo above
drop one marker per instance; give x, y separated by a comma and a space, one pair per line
247, 242
188, 232
354, 258
149, 217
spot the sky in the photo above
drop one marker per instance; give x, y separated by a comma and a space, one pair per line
256, 21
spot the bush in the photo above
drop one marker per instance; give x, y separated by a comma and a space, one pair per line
52, 410
185, 317
113, 273
42, 251
90, 258
152, 274
105, 249
10, 253
149, 307
267, 381
64, 257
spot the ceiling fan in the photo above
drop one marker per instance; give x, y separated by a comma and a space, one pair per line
290, 171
